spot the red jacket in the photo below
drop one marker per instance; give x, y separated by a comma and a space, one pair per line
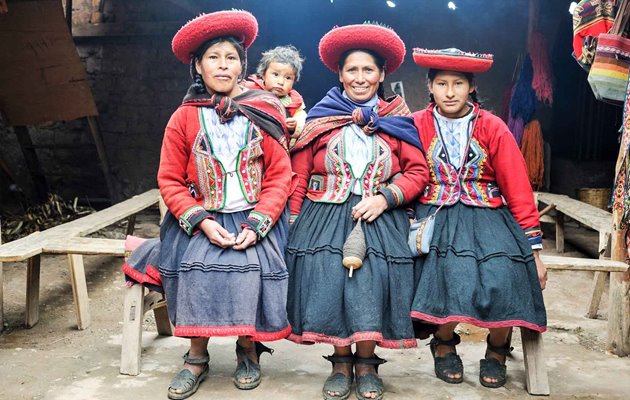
189, 194
495, 170
324, 177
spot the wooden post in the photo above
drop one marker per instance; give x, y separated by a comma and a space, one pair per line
618, 341
102, 155
537, 380
79, 290
560, 232
40, 186
32, 291
131, 347
131, 224
69, 15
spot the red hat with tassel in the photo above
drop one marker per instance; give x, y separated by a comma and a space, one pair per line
378, 38
239, 24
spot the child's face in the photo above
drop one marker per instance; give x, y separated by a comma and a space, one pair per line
279, 78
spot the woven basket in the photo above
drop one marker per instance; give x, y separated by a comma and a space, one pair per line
598, 197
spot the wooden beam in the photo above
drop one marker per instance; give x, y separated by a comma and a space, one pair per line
102, 155
618, 341
40, 186
131, 346
583, 264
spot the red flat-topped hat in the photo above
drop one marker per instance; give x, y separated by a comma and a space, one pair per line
239, 24
378, 38
452, 60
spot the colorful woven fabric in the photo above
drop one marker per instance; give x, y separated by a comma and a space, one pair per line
236, 23
590, 18
381, 39
608, 76
621, 194
452, 60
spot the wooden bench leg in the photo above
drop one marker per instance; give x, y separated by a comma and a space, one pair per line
79, 290
560, 233
131, 224
599, 284
537, 379
164, 326
32, 291
132, 330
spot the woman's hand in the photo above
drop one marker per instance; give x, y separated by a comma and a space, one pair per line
291, 123
246, 238
216, 233
369, 208
542, 270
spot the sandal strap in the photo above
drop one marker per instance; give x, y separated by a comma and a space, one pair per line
196, 361
437, 341
374, 360
504, 350
261, 348
334, 359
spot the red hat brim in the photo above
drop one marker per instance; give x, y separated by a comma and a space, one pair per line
241, 25
379, 39
452, 60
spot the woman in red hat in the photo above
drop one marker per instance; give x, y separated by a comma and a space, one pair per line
225, 175
483, 266
358, 158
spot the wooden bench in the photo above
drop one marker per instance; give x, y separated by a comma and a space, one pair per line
69, 239
592, 217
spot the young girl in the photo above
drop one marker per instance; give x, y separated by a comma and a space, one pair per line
483, 266
278, 70
225, 176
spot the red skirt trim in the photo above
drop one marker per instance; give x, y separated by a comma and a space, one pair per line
152, 275
312, 337
234, 330
476, 322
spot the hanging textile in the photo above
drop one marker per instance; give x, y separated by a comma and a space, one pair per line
621, 193
532, 149
523, 102
590, 18
542, 80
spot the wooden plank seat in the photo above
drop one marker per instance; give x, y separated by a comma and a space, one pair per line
69, 239
589, 216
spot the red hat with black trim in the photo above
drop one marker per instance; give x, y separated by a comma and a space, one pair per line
239, 24
452, 60
378, 38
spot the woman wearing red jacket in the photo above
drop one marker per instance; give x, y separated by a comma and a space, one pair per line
225, 176
483, 266
358, 158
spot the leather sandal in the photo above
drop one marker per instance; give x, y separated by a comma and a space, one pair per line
246, 368
338, 382
451, 363
490, 367
370, 382
185, 383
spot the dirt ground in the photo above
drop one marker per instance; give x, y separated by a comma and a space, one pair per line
54, 360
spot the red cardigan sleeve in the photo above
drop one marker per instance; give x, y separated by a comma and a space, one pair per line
275, 189
302, 164
511, 175
414, 178
172, 172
